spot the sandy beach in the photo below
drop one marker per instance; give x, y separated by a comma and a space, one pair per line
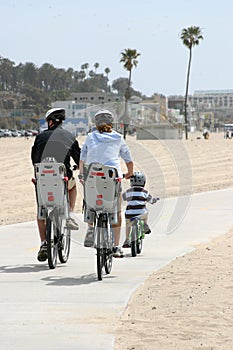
189, 303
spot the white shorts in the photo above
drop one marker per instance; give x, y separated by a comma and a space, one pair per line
143, 217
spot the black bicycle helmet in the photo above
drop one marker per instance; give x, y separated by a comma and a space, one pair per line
138, 179
55, 114
103, 117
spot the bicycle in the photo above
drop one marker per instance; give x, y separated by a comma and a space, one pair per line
51, 185
101, 191
137, 233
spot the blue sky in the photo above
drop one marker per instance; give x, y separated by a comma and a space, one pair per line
68, 33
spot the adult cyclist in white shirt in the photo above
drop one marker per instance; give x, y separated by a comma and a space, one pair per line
106, 146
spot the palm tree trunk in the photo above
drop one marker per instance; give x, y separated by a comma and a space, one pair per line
186, 95
126, 117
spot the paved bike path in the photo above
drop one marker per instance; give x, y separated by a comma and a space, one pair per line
67, 308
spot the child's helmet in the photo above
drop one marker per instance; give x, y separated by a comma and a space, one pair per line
138, 179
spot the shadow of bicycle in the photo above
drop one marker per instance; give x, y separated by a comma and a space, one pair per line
74, 281
52, 280
23, 268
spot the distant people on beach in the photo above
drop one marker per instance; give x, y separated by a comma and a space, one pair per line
206, 134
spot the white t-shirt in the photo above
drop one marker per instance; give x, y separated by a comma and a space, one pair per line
106, 148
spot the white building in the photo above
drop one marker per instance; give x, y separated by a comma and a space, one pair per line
222, 99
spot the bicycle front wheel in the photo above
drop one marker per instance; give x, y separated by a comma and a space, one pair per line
64, 244
139, 245
52, 234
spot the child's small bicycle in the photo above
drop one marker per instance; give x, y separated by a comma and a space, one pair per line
136, 235
51, 185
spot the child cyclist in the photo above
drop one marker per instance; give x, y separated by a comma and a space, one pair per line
137, 197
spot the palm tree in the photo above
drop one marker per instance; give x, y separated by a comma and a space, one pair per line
96, 66
129, 60
190, 37
107, 71
85, 67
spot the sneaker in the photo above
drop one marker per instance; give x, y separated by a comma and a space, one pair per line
72, 224
89, 239
147, 229
127, 243
42, 254
117, 252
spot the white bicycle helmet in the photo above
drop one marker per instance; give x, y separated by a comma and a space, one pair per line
138, 179
55, 114
103, 117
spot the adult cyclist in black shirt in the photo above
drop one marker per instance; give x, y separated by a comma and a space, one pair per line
61, 144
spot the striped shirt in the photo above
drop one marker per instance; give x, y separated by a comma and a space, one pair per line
137, 197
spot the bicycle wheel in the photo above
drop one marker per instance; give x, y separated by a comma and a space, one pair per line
52, 234
100, 253
64, 243
139, 245
108, 250
134, 240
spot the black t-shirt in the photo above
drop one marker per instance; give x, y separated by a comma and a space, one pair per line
58, 143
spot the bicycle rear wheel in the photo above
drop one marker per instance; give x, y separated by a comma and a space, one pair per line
139, 245
52, 234
64, 243
108, 252
101, 231
134, 235
100, 253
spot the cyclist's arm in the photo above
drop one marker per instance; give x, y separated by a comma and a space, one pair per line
129, 169
36, 151
126, 155
124, 196
81, 163
151, 200
75, 152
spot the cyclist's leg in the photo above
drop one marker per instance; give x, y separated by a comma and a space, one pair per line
144, 217
72, 194
127, 228
42, 229
116, 228
128, 225
42, 254
89, 217
89, 238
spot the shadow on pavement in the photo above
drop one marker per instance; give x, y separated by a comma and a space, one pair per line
23, 268
73, 281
